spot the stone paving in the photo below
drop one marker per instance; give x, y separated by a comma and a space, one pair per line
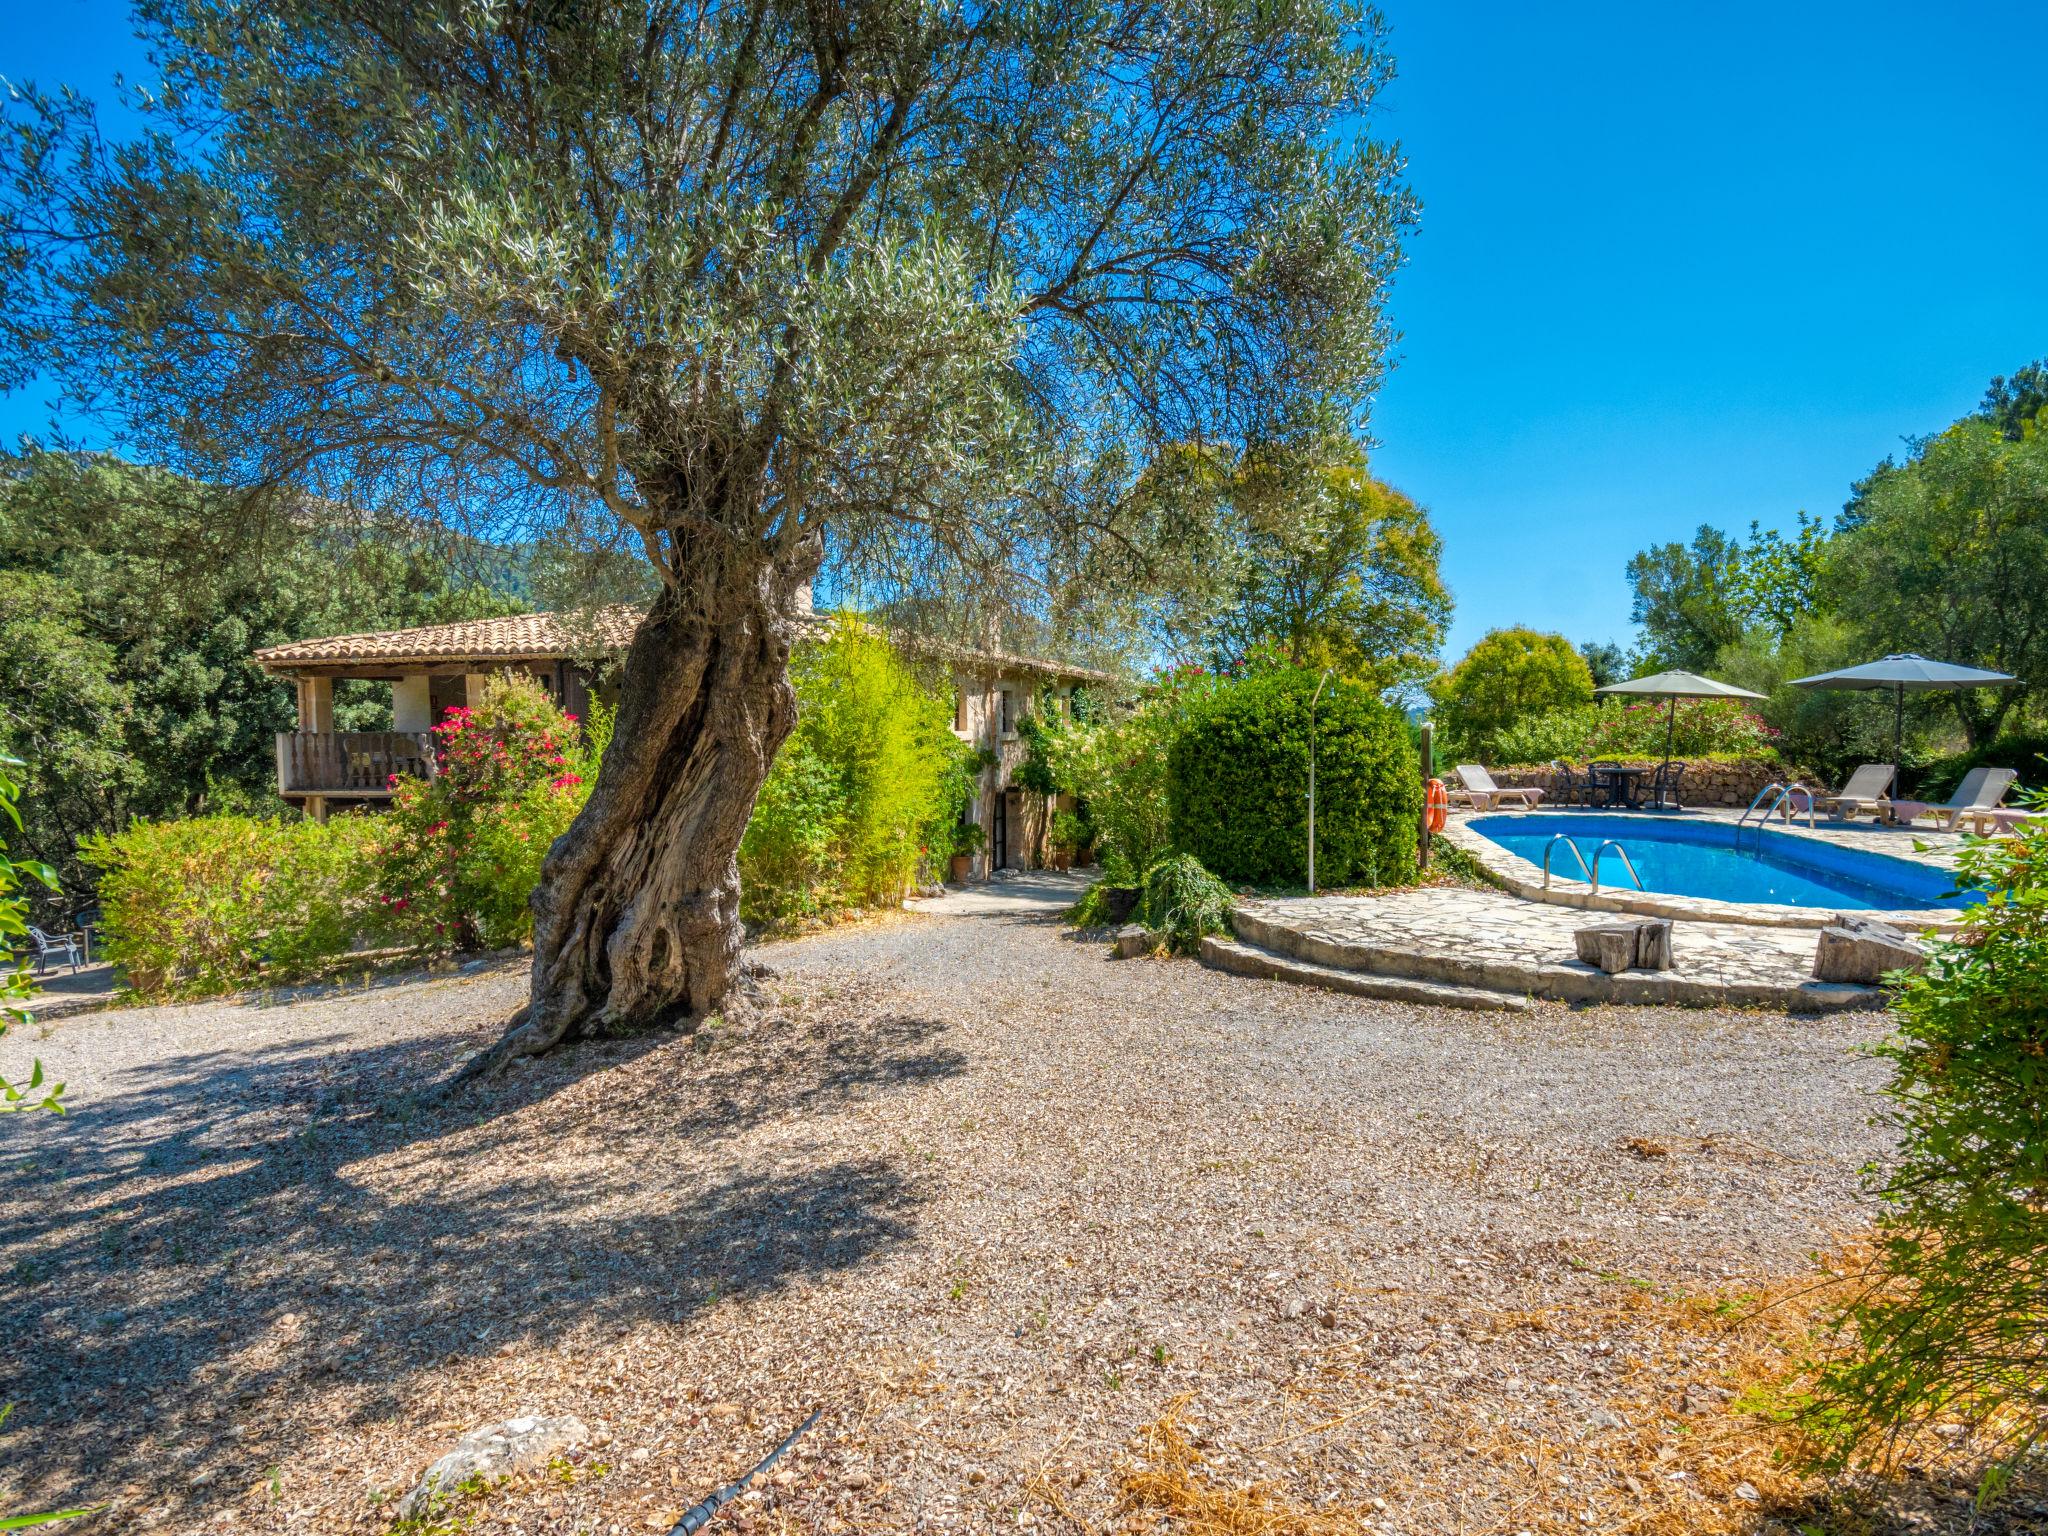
1492, 939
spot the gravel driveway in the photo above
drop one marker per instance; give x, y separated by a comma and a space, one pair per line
992, 1199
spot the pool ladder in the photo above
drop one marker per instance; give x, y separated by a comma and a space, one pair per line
1593, 874
1766, 804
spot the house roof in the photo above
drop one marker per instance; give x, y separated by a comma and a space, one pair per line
516, 637
525, 637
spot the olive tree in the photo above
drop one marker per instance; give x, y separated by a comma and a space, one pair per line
900, 288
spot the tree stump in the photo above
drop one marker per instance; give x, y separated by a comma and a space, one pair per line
1860, 950
1612, 946
1653, 944
1615, 947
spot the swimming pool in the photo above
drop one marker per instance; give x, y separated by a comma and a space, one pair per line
1681, 857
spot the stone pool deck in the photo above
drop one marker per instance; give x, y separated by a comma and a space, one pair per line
1502, 949
1519, 876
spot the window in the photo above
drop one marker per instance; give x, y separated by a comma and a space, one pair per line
960, 710
1003, 709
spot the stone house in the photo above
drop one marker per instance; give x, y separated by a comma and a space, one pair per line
431, 668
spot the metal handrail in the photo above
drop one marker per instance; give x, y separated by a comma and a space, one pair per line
1743, 820
1797, 788
1626, 863
1784, 792
1564, 838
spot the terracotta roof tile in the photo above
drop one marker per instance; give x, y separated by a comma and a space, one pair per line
516, 637
546, 636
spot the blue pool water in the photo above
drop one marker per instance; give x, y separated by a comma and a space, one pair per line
1699, 858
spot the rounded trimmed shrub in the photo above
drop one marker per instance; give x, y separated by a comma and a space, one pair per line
1238, 784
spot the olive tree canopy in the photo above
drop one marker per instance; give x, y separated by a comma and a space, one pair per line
909, 288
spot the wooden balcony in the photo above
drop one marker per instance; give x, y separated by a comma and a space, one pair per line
350, 764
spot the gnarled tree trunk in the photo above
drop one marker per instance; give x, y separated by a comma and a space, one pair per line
637, 915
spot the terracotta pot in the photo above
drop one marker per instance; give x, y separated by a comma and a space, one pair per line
962, 867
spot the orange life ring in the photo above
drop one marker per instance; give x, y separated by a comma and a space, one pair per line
1436, 805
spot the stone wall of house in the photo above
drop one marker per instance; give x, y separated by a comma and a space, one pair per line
1707, 782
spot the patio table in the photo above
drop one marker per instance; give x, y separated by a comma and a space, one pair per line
1623, 785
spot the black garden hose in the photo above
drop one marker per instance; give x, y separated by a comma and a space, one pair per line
697, 1516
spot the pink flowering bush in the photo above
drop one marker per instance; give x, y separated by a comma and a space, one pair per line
462, 851
1704, 728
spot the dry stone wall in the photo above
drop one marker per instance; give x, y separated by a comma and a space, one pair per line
1707, 782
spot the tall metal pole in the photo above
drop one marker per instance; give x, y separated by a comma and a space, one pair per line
1312, 698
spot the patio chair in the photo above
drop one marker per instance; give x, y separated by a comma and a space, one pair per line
1664, 788
50, 948
1980, 791
1869, 790
1484, 795
1568, 787
1605, 787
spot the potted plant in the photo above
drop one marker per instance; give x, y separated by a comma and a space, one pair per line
1068, 835
967, 840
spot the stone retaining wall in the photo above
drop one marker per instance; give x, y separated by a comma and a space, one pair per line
1707, 782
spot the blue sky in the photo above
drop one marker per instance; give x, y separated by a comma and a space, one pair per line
1684, 264
1677, 264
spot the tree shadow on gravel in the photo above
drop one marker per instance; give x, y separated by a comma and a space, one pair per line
229, 1229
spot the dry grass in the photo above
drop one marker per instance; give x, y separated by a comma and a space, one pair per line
1171, 1484
1707, 1439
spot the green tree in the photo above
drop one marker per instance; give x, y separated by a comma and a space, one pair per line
1313, 560
2015, 405
1684, 600
1509, 674
1776, 581
132, 599
914, 289
1693, 599
1950, 559
1606, 661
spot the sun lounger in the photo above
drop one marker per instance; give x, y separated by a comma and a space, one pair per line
1980, 792
1482, 794
2004, 820
1869, 791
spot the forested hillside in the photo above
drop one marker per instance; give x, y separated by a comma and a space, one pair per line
129, 604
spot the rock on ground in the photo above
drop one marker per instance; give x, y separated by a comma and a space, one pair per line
497, 1451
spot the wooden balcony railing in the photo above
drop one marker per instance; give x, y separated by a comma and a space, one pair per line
350, 762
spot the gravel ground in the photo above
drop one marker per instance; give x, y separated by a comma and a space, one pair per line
994, 1201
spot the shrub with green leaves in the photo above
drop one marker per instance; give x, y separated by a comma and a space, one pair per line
1953, 1328
1702, 728
213, 903
2026, 753
868, 787
1238, 783
1116, 761
1183, 902
16, 981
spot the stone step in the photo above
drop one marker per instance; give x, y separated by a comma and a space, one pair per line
1246, 960
1566, 981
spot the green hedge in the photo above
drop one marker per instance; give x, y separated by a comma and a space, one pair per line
2026, 753
194, 907
1238, 784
